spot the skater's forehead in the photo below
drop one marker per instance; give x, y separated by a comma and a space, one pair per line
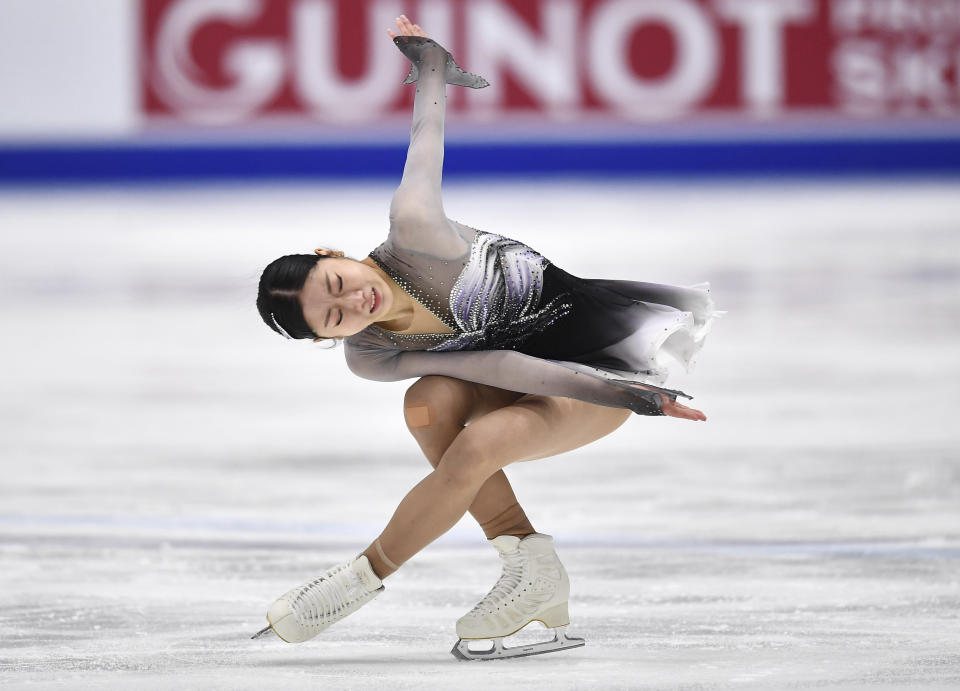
322, 280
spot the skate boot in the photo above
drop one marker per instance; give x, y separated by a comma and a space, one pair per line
533, 587
308, 609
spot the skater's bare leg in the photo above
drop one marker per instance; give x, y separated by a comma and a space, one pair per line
436, 410
533, 427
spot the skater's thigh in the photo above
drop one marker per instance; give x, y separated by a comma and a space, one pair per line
438, 401
536, 427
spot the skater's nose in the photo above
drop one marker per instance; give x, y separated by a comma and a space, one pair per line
349, 300
354, 299
333, 308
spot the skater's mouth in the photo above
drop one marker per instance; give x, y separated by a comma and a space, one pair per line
375, 299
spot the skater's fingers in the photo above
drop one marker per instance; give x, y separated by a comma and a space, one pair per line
677, 404
693, 414
674, 409
406, 28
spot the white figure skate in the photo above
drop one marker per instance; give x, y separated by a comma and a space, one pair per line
533, 587
305, 611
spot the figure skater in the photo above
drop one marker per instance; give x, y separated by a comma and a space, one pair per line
518, 361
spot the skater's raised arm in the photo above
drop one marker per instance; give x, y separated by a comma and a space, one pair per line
417, 218
513, 371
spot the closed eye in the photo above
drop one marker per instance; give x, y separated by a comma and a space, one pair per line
340, 278
341, 318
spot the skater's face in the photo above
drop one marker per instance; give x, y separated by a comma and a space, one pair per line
342, 297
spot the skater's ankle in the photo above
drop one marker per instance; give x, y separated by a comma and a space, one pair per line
379, 561
510, 521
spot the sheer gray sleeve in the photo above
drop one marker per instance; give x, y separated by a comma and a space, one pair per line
417, 218
508, 369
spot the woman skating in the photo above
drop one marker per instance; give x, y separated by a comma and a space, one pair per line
519, 361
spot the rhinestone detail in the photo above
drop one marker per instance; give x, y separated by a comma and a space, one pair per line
493, 303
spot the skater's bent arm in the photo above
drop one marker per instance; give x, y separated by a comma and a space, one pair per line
507, 369
417, 218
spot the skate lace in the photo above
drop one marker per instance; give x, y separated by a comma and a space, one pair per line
326, 599
503, 588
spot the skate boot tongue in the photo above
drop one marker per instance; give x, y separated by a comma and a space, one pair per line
537, 543
364, 572
506, 543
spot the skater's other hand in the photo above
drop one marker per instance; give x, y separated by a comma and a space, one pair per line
674, 409
407, 28
671, 408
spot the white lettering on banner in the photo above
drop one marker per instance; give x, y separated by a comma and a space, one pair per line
921, 74
861, 76
256, 66
571, 58
855, 16
763, 66
871, 80
546, 66
316, 77
694, 70
904, 66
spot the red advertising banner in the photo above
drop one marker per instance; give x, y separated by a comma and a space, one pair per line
568, 62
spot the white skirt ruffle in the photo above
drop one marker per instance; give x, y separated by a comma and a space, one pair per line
669, 339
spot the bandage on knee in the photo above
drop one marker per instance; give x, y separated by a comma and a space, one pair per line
417, 416
510, 521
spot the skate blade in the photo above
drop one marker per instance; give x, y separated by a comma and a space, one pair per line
261, 633
561, 641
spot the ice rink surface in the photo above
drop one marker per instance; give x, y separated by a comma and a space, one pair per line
170, 466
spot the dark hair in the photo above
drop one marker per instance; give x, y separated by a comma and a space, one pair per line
278, 297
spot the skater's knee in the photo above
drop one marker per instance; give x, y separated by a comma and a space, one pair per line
468, 461
461, 474
436, 401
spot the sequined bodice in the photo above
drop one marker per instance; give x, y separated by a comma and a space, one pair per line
427, 280
489, 298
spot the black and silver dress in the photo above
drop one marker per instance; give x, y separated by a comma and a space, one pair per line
518, 322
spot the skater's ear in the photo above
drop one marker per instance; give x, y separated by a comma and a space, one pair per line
324, 252
327, 343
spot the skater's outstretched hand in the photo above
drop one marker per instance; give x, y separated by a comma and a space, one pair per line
674, 409
407, 28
